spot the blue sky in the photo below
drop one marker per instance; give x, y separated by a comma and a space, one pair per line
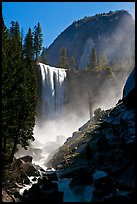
54, 17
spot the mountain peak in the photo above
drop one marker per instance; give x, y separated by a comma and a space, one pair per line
115, 28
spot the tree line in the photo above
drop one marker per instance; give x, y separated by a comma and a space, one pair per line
94, 64
19, 85
97, 63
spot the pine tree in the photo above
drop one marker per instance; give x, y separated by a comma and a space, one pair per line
63, 63
12, 90
5, 89
18, 93
72, 63
92, 60
37, 40
28, 49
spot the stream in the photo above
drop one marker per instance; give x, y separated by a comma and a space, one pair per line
78, 194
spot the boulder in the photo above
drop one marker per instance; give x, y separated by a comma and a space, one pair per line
21, 169
30, 170
33, 194
48, 185
24, 178
6, 197
129, 92
104, 186
43, 191
26, 159
52, 197
83, 176
51, 175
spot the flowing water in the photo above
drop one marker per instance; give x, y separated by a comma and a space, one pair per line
53, 89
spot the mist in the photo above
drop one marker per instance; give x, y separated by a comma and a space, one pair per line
63, 126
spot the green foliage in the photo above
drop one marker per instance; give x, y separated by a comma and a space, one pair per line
63, 63
5, 173
28, 48
72, 63
98, 114
37, 40
92, 60
18, 91
101, 67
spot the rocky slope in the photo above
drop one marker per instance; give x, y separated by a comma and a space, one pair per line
100, 31
106, 144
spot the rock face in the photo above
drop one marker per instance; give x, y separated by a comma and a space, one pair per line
129, 92
106, 144
22, 168
99, 31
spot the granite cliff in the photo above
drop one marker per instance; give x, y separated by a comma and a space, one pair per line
112, 34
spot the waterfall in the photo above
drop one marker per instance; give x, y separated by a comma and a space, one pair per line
53, 89
56, 117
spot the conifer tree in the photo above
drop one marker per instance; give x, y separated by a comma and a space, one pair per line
72, 63
13, 90
18, 93
37, 40
63, 63
92, 60
5, 88
28, 49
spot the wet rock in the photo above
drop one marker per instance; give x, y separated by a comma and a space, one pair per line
47, 184
51, 175
129, 92
24, 179
103, 144
52, 197
26, 159
30, 170
44, 190
83, 176
34, 179
103, 186
39, 168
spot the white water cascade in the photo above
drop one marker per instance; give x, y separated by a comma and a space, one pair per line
56, 119
53, 89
